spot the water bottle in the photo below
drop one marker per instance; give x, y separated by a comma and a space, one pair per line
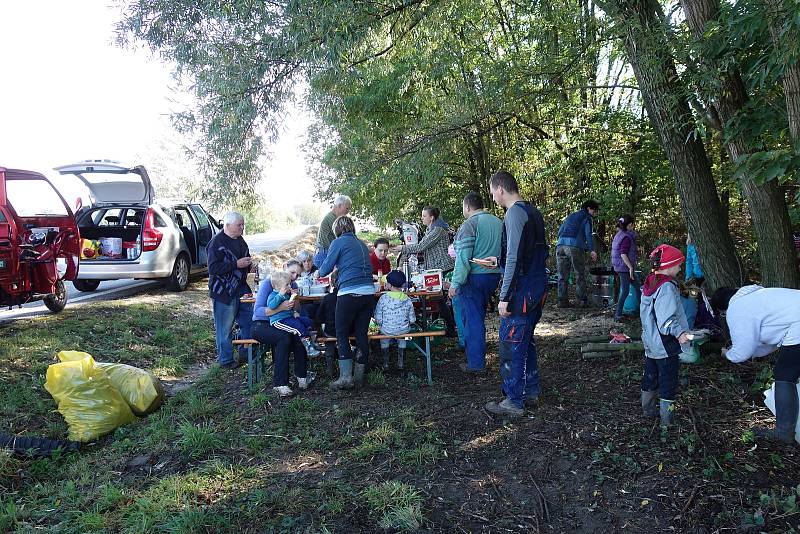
413, 264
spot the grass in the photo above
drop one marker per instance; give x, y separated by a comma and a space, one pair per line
396, 456
398, 505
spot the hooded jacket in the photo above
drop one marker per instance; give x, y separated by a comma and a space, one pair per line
394, 313
662, 315
761, 319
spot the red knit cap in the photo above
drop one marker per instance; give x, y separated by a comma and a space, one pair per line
669, 256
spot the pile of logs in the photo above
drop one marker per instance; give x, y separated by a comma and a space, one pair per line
597, 347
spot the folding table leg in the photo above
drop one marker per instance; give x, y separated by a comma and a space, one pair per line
259, 363
250, 365
428, 358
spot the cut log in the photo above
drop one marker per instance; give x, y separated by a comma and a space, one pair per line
586, 339
611, 347
600, 355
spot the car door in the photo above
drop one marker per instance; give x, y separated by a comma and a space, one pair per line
188, 228
204, 232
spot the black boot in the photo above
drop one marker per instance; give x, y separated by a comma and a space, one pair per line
401, 358
786, 407
385, 354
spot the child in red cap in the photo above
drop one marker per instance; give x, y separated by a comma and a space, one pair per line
664, 330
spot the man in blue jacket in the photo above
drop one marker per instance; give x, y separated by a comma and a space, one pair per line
228, 264
574, 240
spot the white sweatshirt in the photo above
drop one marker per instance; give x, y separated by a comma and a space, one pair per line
761, 320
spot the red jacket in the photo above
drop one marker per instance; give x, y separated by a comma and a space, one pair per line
379, 265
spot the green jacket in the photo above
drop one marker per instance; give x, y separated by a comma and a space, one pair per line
478, 237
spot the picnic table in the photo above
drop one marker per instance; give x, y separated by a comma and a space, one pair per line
254, 366
422, 295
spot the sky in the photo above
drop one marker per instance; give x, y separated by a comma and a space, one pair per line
68, 93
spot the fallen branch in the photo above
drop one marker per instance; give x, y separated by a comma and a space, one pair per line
585, 339
612, 347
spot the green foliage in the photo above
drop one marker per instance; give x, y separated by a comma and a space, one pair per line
398, 505
198, 440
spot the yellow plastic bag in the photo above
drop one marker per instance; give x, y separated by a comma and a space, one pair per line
141, 390
90, 404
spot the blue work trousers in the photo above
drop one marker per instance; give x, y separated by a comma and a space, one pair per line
519, 366
473, 298
225, 316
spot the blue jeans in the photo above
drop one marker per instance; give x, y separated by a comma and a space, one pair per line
690, 309
519, 366
661, 374
458, 314
225, 316
625, 283
473, 298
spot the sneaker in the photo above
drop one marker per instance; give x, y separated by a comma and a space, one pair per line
283, 391
311, 350
304, 383
465, 369
231, 365
504, 408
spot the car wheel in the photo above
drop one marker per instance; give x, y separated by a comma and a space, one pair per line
86, 285
56, 302
179, 279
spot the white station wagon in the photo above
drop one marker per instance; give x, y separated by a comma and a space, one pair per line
143, 238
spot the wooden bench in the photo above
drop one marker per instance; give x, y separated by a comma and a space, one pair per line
255, 369
412, 338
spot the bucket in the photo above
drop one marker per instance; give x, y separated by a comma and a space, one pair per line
602, 287
111, 247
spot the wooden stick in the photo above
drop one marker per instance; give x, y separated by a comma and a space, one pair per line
611, 347
585, 339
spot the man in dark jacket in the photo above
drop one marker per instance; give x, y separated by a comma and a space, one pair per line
523, 251
574, 240
228, 264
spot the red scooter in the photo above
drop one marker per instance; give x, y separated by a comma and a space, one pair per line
39, 241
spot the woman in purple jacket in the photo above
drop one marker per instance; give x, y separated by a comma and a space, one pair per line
623, 258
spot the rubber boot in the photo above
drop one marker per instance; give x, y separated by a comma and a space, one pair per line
345, 380
666, 411
649, 403
786, 408
401, 358
330, 363
358, 374
385, 354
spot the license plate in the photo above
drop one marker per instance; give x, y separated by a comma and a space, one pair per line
2, 264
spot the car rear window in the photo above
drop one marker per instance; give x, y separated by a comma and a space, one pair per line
34, 197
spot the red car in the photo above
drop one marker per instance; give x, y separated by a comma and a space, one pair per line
39, 241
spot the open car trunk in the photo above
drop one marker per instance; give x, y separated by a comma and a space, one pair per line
111, 233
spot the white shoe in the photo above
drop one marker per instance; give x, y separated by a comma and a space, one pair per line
303, 383
283, 391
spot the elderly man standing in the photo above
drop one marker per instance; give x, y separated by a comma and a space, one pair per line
574, 239
228, 264
523, 253
472, 283
325, 235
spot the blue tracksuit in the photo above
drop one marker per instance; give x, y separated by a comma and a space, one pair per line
523, 255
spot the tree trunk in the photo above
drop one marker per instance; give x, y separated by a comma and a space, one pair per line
668, 109
767, 202
777, 15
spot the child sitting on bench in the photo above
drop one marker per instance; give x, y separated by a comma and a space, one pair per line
288, 321
394, 314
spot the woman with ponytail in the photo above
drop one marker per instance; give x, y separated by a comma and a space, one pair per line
623, 259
